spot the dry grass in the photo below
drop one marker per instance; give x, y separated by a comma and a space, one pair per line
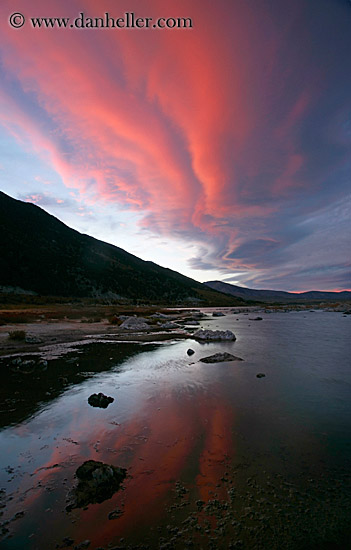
86, 313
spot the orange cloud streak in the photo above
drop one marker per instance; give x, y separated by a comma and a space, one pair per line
155, 135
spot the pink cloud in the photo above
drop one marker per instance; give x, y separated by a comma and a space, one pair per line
115, 129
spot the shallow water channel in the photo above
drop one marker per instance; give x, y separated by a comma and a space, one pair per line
216, 457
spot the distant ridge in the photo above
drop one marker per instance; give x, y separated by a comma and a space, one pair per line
41, 254
277, 295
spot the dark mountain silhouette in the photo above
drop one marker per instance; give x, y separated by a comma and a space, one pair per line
41, 254
277, 295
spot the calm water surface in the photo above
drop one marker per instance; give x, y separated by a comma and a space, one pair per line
216, 457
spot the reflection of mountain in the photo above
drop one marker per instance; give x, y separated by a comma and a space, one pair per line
277, 295
41, 254
20, 398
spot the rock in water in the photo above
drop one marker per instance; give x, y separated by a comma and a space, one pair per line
115, 514
220, 357
170, 324
100, 400
135, 323
190, 351
256, 319
96, 482
260, 375
33, 340
218, 314
208, 335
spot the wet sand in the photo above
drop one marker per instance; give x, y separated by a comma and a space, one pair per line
55, 333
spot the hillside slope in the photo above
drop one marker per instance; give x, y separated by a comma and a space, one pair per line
41, 254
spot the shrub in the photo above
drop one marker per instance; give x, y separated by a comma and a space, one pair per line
17, 335
114, 320
14, 317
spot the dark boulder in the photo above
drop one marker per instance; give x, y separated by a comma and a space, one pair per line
213, 335
97, 482
260, 375
100, 400
220, 358
190, 351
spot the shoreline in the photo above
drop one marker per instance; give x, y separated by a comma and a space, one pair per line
48, 335
47, 327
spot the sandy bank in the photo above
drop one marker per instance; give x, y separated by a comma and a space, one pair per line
53, 333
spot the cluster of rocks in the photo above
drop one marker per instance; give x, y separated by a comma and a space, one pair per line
161, 321
23, 365
138, 324
206, 335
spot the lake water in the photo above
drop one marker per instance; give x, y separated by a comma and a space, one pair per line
216, 457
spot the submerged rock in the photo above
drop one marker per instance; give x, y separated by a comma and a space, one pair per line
208, 335
115, 514
33, 340
135, 323
218, 314
100, 400
256, 319
260, 375
220, 357
82, 545
190, 351
67, 541
96, 482
28, 366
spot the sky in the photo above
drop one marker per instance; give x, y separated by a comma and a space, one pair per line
222, 151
